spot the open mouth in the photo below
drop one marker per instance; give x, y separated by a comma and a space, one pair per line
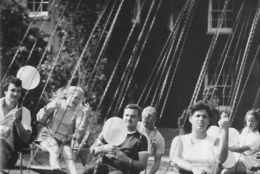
200, 124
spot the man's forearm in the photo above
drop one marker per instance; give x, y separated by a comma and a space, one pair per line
239, 149
23, 133
157, 162
154, 168
138, 165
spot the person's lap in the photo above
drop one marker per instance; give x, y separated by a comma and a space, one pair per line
6, 155
100, 168
238, 168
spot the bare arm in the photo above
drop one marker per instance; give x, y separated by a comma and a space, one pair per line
239, 149
222, 152
23, 133
98, 147
43, 114
138, 165
156, 164
82, 123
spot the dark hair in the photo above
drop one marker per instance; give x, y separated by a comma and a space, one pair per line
134, 106
183, 120
210, 92
11, 80
255, 113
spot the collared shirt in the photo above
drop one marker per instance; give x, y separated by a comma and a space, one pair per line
7, 121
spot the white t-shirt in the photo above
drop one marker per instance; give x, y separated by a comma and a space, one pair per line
176, 140
200, 154
7, 121
251, 139
156, 141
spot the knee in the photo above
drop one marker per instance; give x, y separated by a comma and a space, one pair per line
88, 169
98, 168
226, 171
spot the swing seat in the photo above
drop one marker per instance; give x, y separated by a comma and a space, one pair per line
33, 150
46, 170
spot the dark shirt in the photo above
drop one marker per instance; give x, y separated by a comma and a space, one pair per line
216, 115
133, 144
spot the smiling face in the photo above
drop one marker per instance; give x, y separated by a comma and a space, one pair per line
131, 118
13, 93
251, 122
73, 99
200, 120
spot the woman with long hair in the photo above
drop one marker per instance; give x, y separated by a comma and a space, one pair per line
248, 147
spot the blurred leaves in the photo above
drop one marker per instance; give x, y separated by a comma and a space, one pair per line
75, 29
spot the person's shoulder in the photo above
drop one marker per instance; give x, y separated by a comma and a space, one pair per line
257, 134
139, 126
60, 101
2, 102
26, 111
2, 99
185, 138
140, 136
158, 133
212, 139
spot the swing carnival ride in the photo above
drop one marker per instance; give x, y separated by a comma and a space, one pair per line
226, 58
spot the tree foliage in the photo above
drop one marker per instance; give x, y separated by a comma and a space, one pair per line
15, 23
17, 45
78, 21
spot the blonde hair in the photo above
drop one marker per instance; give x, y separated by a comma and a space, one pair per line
149, 112
63, 92
254, 113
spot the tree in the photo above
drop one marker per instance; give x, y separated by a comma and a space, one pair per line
15, 22
78, 21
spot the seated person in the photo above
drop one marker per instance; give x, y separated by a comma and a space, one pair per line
197, 152
249, 142
65, 115
14, 121
128, 158
156, 140
211, 95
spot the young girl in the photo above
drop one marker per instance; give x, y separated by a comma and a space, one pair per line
249, 142
197, 152
65, 116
